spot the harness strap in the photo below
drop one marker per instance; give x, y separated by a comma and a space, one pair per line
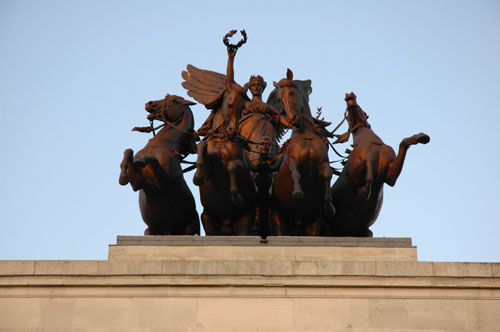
188, 169
341, 122
322, 136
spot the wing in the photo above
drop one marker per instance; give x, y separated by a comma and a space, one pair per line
205, 86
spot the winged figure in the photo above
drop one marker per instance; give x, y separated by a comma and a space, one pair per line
227, 190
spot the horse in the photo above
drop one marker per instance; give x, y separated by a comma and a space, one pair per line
227, 192
166, 203
301, 191
358, 192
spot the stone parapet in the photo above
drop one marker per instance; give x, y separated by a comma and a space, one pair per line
289, 241
200, 284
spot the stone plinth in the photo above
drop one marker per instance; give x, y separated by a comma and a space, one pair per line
158, 284
282, 248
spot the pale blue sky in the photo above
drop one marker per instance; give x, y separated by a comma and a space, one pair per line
74, 77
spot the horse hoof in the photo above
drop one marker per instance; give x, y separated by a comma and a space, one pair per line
423, 138
297, 194
237, 199
197, 180
364, 193
329, 210
123, 180
135, 183
139, 164
225, 230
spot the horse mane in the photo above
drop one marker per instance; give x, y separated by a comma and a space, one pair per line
273, 99
305, 87
182, 138
188, 143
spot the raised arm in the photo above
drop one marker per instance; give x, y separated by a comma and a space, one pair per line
278, 118
231, 53
230, 68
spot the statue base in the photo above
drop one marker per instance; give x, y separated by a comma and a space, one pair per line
252, 248
191, 283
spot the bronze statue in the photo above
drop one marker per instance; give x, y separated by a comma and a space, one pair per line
248, 183
301, 191
167, 205
227, 189
358, 192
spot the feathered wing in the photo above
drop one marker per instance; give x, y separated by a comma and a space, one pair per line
205, 86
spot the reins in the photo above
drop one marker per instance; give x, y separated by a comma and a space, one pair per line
181, 157
312, 126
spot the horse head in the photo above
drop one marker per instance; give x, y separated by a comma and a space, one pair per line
294, 97
171, 108
178, 117
355, 115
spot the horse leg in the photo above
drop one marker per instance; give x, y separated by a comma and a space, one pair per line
396, 166
130, 172
232, 166
312, 229
210, 224
149, 231
199, 176
294, 172
365, 191
243, 226
226, 227
127, 158
194, 227
328, 208
277, 227
150, 173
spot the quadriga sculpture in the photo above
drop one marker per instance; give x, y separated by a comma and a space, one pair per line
358, 192
227, 189
166, 203
301, 191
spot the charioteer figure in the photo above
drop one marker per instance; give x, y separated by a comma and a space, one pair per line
264, 169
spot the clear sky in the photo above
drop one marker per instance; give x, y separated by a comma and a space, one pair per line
74, 77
